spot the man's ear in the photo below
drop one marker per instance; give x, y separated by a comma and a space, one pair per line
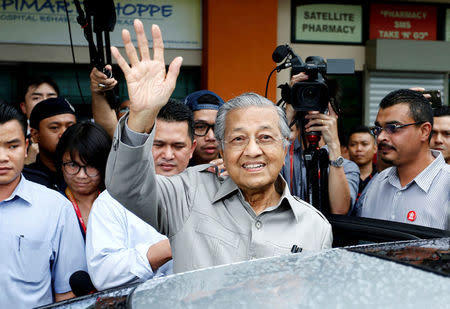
194, 145
23, 107
426, 131
34, 135
26, 146
285, 154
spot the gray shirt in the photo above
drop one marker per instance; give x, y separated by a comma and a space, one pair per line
423, 201
205, 217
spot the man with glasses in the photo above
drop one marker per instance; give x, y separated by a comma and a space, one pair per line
204, 104
416, 188
208, 219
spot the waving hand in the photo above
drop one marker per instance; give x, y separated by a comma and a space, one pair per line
149, 86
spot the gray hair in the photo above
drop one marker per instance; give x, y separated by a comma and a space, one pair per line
245, 100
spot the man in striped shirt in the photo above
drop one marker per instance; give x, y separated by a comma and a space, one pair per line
416, 188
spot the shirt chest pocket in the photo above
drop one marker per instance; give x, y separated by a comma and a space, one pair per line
32, 259
215, 244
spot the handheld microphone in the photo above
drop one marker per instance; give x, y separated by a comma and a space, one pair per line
81, 283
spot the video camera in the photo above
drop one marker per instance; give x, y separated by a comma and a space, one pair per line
311, 94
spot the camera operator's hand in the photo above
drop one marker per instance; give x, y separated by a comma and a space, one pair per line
149, 86
102, 112
298, 78
327, 125
100, 82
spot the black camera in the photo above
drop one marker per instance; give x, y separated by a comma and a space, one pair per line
311, 94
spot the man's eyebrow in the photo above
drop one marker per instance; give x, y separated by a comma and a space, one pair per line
13, 141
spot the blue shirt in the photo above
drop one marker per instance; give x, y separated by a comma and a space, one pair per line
423, 201
40, 246
299, 183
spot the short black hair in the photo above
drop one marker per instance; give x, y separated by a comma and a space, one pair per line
36, 81
441, 111
9, 112
360, 129
90, 141
419, 107
176, 111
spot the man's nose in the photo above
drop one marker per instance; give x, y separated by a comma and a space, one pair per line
252, 148
3, 155
168, 153
210, 135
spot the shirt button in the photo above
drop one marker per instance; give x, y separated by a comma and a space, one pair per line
258, 224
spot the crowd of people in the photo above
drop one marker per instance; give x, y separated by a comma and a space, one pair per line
160, 186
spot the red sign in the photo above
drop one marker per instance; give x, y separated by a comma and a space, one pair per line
403, 22
411, 215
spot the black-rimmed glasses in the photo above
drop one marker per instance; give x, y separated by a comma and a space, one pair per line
391, 128
73, 168
202, 128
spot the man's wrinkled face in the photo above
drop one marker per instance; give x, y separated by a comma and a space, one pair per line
36, 94
401, 147
253, 151
13, 151
440, 140
50, 131
361, 148
207, 147
172, 148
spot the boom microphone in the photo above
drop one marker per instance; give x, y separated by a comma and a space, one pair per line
280, 53
81, 283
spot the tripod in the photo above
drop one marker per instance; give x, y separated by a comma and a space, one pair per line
316, 162
100, 17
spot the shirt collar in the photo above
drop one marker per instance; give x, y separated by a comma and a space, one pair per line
229, 187
425, 177
21, 191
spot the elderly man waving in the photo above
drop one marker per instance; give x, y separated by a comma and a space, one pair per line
209, 220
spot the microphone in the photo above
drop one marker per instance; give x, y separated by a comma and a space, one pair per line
81, 283
280, 53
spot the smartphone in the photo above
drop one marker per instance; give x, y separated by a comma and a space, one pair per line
435, 99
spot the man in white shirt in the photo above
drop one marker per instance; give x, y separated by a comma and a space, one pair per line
120, 247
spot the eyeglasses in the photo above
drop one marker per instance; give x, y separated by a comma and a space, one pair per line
391, 128
263, 141
202, 128
73, 168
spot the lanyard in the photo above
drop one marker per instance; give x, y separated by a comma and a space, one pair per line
291, 157
75, 206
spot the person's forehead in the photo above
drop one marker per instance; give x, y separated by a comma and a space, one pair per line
11, 130
208, 115
441, 123
171, 131
396, 113
361, 136
252, 118
41, 88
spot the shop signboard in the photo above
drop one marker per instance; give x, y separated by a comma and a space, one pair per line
403, 22
327, 22
45, 21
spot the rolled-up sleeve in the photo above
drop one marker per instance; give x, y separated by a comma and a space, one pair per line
111, 262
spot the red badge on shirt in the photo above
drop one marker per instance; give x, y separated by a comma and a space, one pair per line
411, 216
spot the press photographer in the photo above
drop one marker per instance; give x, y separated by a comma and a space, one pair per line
314, 167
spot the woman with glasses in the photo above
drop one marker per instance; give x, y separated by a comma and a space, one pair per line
81, 157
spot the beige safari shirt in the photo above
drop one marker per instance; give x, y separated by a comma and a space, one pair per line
205, 217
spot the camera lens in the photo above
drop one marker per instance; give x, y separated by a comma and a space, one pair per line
310, 94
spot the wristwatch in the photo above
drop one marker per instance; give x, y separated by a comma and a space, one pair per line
339, 162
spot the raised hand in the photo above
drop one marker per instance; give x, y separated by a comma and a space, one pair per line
149, 86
